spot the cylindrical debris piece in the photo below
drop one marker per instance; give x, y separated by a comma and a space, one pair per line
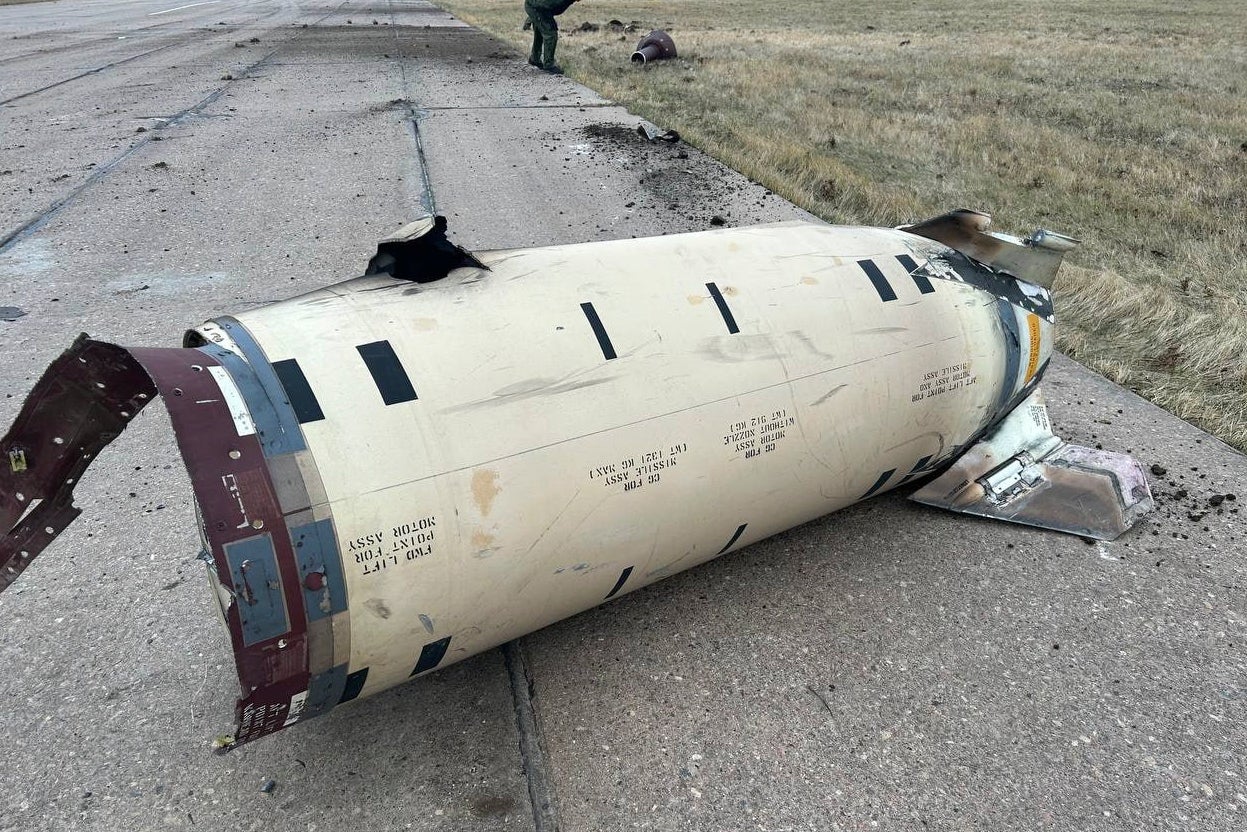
655, 46
393, 476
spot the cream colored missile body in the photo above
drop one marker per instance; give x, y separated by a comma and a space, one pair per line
533, 473
394, 476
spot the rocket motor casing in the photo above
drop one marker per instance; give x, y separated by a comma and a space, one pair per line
459, 463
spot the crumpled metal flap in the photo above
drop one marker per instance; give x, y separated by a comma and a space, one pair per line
1034, 259
421, 253
1023, 473
82, 402
413, 230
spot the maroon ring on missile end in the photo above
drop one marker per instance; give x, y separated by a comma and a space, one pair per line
84, 400
238, 504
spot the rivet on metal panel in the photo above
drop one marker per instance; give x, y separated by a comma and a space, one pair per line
235, 454
315, 581
177, 391
257, 524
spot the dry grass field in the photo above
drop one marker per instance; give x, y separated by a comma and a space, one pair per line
1122, 122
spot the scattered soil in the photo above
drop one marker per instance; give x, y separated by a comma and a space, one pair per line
668, 177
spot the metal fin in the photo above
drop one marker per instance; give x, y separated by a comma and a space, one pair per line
1023, 473
1034, 259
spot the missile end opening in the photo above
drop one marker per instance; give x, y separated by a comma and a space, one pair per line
193, 339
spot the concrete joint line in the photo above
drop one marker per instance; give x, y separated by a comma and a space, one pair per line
94, 71
427, 200
532, 747
426, 197
39, 53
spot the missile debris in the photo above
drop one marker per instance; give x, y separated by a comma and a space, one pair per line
655, 46
405, 469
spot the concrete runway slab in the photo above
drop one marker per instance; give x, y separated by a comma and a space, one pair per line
64, 120
890, 666
577, 172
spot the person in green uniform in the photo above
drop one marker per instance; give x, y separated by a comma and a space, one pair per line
541, 14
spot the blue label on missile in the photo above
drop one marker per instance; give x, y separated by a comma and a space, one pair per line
320, 569
257, 589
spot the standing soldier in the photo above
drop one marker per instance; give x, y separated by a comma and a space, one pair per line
541, 14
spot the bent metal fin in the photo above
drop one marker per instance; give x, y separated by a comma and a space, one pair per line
1034, 259
1023, 473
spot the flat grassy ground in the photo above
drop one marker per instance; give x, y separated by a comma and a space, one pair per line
1122, 122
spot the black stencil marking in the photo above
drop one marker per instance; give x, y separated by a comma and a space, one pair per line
876, 277
879, 483
739, 531
302, 399
920, 279
623, 579
604, 340
354, 684
431, 655
726, 312
387, 371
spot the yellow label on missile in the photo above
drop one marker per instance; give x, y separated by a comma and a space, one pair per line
1032, 322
